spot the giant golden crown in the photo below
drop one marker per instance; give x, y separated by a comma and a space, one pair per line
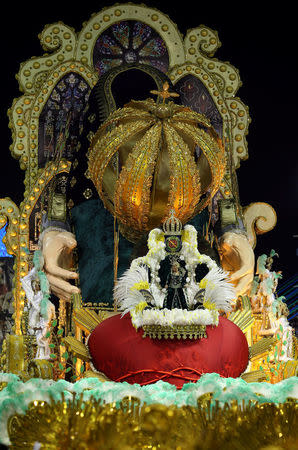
149, 158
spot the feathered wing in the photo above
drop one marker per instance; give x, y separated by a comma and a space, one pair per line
192, 291
125, 296
219, 293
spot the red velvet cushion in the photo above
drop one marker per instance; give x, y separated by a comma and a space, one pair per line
122, 354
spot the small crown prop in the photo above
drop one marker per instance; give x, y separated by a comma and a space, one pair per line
172, 226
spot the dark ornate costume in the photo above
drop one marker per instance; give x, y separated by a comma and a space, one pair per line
174, 283
175, 297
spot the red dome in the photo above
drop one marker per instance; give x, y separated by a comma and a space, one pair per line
122, 354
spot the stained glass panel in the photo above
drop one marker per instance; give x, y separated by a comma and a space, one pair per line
141, 33
194, 94
155, 47
121, 31
109, 46
67, 102
130, 42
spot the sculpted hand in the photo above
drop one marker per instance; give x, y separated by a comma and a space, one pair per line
57, 252
237, 257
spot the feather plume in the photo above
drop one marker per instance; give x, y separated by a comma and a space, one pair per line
191, 291
125, 296
220, 293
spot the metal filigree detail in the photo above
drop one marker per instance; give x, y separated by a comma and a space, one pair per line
132, 198
87, 193
106, 146
177, 332
185, 185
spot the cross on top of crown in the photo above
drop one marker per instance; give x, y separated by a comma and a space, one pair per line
165, 92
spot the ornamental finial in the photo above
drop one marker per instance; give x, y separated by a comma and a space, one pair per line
165, 92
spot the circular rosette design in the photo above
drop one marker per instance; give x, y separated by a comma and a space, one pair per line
130, 42
149, 158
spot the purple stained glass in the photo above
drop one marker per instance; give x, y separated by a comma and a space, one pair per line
109, 46
141, 33
193, 93
121, 31
130, 57
67, 101
129, 42
104, 65
155, 47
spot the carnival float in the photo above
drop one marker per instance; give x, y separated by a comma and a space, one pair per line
140, 318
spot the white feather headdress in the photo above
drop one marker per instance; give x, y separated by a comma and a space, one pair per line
125, 296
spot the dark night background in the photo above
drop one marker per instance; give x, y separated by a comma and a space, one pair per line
261, 44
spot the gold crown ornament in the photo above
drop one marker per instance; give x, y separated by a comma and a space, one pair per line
144, 162
172, 225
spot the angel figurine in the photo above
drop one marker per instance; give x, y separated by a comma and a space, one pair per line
38, 323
